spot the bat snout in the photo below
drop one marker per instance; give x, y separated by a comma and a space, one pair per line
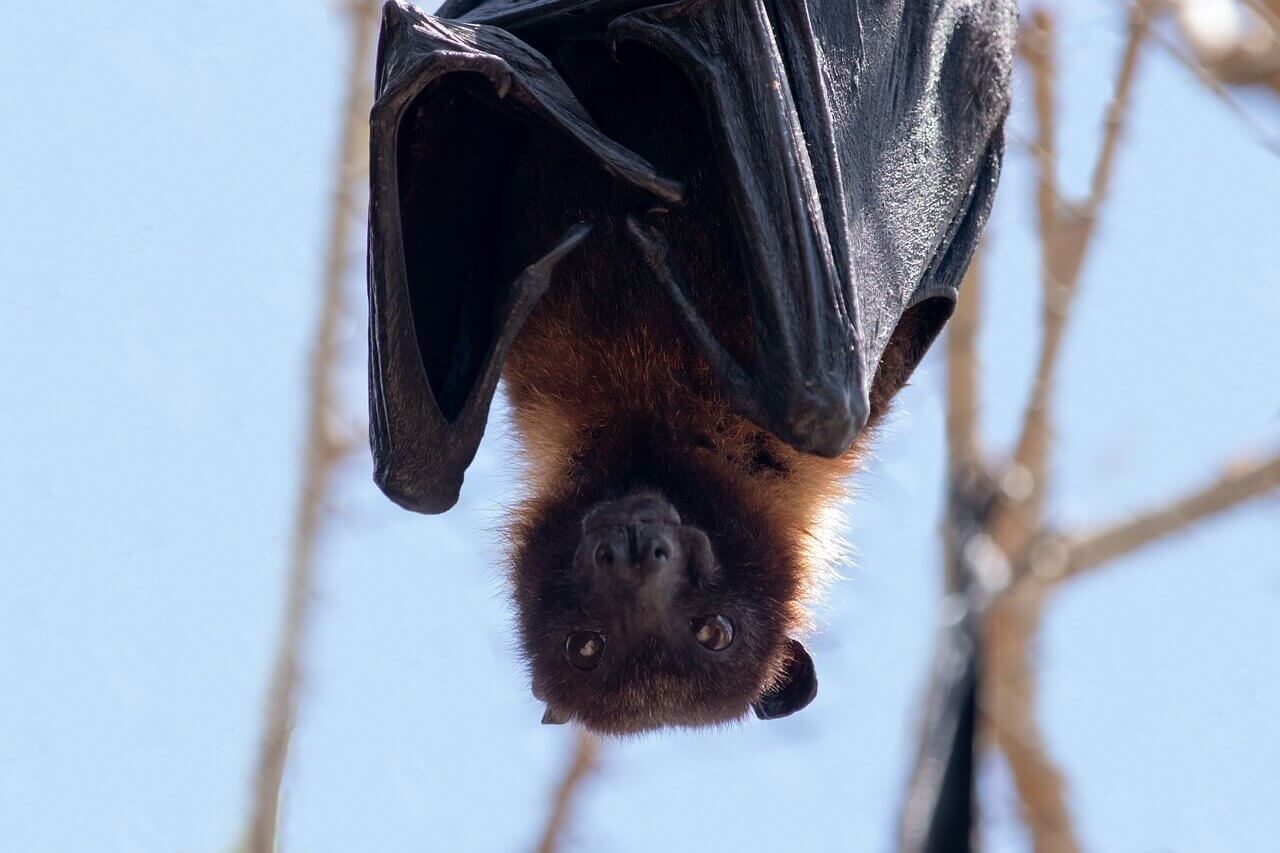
635, 552
637, 555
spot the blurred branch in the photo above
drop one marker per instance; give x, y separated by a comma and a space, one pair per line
1236, 484
1001, 561
1230, 45
1066, 232
1138, 28
580, 766
322, 449
1037, 47
1008, 703
1265, 137
962, 371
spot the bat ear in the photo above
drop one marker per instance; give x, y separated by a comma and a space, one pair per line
552, 717
794, 689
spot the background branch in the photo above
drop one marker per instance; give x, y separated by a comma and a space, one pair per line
962, 373
1231, 46
580, 766
1008, 703
1265, 137
1066, 232
1237, 484
321, 450
1008, 688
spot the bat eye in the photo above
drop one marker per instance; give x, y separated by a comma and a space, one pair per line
584, 649
713, 632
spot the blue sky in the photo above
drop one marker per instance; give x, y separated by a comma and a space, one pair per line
162, 207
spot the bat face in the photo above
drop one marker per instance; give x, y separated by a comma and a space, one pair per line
651, 598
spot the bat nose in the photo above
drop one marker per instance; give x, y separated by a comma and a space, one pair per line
633, 552
636, 544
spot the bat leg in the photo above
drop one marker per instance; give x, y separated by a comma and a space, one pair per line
737, 383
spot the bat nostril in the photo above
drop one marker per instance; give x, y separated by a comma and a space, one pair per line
655, 553
604, 555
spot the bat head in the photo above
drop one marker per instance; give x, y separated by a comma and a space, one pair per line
658, 602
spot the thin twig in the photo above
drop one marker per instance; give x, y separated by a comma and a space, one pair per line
321, 451
580, 766
962, 372
1252, 57
1269, 12
1037, 44
1235, 485
1264, 136
1008, 705
1138, 28
1013, 521
1066, 232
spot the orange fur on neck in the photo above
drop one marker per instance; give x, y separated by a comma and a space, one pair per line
577, 384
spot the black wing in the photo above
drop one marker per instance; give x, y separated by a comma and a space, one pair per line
462, 117
853, 146
862, 141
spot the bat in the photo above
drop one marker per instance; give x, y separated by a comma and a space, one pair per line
704, 243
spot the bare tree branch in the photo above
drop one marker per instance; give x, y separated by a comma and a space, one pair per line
1237, 484
1066, 232
1246, 52
322, 449
1037, 47
1268, 11
1265, 137
1138, 28
1008, 707
1013, 527
962, 371
1015, 519
580, 766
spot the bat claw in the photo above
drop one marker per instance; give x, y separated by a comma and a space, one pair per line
502, 84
